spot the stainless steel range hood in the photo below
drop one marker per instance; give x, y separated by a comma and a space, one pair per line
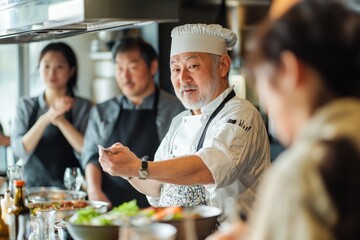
24, 21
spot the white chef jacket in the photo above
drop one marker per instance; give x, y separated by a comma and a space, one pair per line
236, 148
293, 201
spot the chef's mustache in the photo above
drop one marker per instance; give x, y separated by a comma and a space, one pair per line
188, 87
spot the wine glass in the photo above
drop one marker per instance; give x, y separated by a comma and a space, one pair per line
72, 178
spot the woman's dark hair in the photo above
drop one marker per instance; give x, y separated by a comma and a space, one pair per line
125, 44
340, 173
70, 58
324, 34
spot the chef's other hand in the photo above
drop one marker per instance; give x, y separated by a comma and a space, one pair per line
118, 160
110, 150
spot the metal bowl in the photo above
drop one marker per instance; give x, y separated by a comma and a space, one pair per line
99, 206
90, 232
161, 231
46, 194
205, 224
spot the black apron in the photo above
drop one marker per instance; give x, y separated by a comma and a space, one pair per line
212, 116
137, 130
46, 166
200, 189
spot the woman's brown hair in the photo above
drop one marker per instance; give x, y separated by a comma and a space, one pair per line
339, 170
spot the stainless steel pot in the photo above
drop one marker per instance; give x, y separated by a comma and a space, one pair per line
99, 206
46, 194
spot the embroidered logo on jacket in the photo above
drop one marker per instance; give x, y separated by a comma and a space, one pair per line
245, 127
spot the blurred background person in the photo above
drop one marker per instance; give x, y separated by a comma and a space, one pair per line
306, 66
4, 139
4, 143
47, 133
139, 119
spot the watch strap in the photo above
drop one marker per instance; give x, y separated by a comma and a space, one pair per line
143, 171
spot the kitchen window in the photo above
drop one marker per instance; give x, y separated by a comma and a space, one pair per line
9, 93
9, 83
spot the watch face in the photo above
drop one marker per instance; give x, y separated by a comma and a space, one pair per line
143, 174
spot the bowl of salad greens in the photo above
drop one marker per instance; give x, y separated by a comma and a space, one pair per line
89, 224
92, 225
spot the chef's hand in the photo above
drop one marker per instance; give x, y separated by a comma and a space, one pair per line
236, 231
118, 160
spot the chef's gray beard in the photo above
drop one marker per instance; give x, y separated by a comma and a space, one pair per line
204, 96
207, 92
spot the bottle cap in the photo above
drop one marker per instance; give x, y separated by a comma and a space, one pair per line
19, 183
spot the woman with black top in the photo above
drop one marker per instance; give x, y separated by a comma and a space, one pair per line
47, 133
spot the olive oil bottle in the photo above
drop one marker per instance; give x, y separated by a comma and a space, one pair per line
19, 214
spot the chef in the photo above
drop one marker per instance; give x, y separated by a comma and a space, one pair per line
216, 148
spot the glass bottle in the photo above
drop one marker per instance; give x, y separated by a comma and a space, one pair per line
6, 203
19, 214
4, 229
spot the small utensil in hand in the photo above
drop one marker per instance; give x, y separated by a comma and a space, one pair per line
105, 149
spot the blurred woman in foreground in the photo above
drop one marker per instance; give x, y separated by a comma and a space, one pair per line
48, 129
307, 69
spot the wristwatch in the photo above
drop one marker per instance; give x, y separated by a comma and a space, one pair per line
143, 171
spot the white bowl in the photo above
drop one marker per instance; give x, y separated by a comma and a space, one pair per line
154, 231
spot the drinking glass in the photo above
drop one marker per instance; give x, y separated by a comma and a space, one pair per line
43, 225
73, 178
14, 172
